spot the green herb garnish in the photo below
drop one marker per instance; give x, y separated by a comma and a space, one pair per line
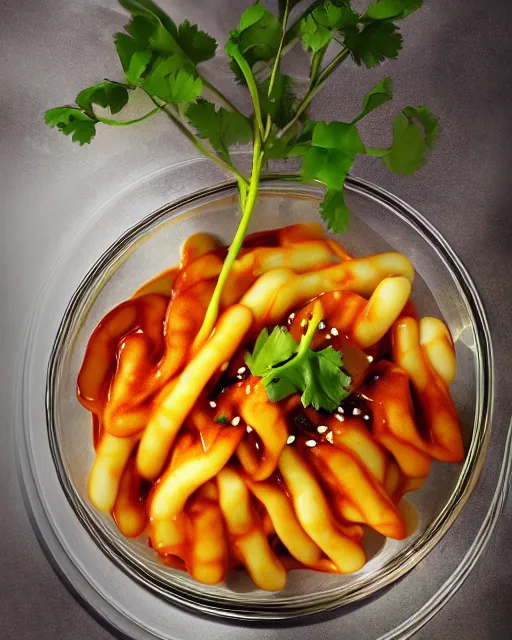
221, 420
286, 367
163, 61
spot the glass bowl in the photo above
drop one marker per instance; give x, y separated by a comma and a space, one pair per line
55, 462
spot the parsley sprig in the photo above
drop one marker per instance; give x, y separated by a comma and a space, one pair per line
163, 60
286, 367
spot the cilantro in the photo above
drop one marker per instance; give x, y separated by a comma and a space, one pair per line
105, 94
281, 103
319, 27
148, 9
334, 210
197, 45
258, 37
162, 58
374, 43
335, 16
270, 350
286, 367
329, 159
381, 93
222, 128
221, 420
172, 84
315, 36
72, 121
392, 9
427, 120
414, 132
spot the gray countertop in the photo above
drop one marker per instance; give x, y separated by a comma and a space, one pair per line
456, 58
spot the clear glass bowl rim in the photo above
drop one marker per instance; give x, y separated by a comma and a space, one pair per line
299, 606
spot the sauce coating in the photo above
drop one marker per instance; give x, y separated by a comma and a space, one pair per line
191, 453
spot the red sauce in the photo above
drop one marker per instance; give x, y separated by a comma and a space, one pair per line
143, 323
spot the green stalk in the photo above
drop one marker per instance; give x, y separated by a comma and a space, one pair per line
313, 90
275, 68
248, 207
253, 88
199, 145
219, 95
124, 123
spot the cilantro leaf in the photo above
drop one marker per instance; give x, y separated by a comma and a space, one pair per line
171, 83
72, 121
329, 166
197, 45
105, 94
137, 65
316, 375
281, 103
318, 26
334, 210
314, 35
251, 16
221, 420
270, 350
331, 153
428, 121
381, 93
329, 159
337, 16
414, 132
149, 9
258, 37
222, 128
337, 135
153, 35
392, 9
374, 43
407, 153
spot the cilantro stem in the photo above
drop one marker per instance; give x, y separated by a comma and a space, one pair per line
247, 208
313, 90
220, 96
316, 63
124, 123
199, 145
253, 87
277, 60
293, 32
305, 341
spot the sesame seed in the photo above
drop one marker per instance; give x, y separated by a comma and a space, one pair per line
242, 370
334, 331
236, 421
328, 336
366, 417
213, 404
247, 389
321, 325
370, 358
356, 411
329, 437
310, 443
339, 418
303, 322
322, 428
290, 440
341, 410
248, 428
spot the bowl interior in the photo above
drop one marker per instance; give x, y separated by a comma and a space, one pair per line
378, 224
